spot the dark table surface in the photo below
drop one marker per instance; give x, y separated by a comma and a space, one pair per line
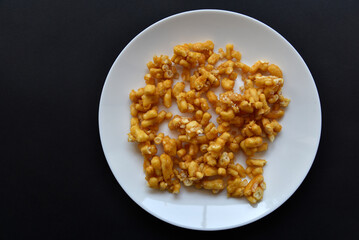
54, 58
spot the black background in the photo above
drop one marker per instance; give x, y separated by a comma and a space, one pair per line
54, 179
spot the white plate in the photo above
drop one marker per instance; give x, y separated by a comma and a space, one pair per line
289, 157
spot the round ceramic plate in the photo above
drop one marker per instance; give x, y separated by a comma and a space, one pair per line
289, 157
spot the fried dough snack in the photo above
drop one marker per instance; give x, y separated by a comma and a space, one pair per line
203, 154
